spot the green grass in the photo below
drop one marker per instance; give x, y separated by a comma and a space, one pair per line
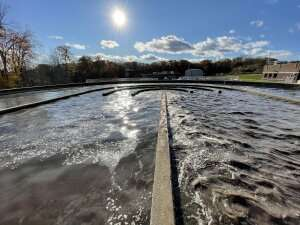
248, 78
251, 77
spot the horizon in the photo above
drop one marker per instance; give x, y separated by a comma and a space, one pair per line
155, 31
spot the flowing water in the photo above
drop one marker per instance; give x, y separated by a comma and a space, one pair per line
237, 158
85, 160
90, 160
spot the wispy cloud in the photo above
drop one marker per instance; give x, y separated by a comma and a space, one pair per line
41, 58
109, 44
148, 58
152, 58
76, 46
257, 23
291, 30
231, 32
294, 28
56, 37
262, 36
280, 54
272, 2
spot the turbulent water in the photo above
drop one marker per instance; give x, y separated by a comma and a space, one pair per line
85, 160
237, 158
90, 159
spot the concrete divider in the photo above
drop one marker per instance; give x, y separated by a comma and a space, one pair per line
162, 209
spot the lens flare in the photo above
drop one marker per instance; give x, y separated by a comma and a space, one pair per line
119, 17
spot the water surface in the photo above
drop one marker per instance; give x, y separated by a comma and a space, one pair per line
85, 160
237, 158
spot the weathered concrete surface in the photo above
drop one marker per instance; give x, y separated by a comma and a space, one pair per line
162, 210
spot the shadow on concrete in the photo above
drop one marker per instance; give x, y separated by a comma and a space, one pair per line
175, 184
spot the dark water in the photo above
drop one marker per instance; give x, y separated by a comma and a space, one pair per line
85, 160
237, 158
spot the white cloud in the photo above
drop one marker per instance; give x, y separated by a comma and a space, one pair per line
255, 44
166, 44
56, 37
76, 46
109, 44
262, 36
223, 46
129, 58
232, 32
216, 48
257, 23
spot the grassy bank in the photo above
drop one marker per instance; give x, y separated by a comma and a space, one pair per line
11, 82
251, 77
243, 77
240, 77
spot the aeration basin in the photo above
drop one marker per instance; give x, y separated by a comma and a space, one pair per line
183, 154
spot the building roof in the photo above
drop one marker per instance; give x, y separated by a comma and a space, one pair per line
282, 68
194, 70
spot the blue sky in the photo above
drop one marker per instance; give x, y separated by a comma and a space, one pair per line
181, 29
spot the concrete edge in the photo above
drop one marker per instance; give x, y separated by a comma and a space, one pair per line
162, 209
221, 82
34, 104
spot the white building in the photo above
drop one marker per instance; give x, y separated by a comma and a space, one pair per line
193, 74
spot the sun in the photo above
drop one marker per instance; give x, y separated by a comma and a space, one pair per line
119, 17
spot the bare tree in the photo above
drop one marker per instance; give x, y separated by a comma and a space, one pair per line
6, 44
5, 40
63, 53
21, 52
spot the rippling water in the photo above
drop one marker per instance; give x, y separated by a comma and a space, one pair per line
12, 100
237, 158
292, 93
86, 160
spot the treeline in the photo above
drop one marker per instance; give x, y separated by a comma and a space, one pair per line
98, 68
65, 70
211, 68
73, 71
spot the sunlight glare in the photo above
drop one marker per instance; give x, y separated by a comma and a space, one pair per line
119, 17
